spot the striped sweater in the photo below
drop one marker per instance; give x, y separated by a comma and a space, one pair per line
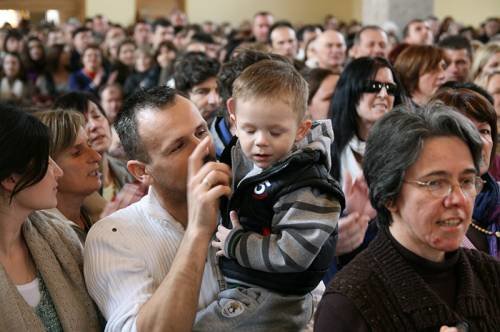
289, 215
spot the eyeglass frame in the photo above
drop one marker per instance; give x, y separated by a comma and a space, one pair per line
373, 86
478, 184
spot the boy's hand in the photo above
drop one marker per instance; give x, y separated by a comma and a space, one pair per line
223, 232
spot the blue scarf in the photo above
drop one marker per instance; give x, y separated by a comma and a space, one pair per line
487, 211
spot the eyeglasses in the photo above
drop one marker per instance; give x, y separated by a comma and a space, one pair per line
441, 188
376, 86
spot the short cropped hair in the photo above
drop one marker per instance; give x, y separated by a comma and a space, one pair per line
357, 36
416, 60
194, 68
406, 28
79, 30
273, 80
396, 142
64, 126
154, 99
161, 22
456, 42
277, 25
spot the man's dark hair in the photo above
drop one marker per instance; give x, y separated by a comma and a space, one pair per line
202, 37
79, 30
357, 36
467, 85
78, 101
154, 99
194, 68
277, 25
456, 42
307, 28
161, 22
407, 26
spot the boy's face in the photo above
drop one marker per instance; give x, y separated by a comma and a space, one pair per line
267, 129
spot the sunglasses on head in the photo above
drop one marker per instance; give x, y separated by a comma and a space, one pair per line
376, 86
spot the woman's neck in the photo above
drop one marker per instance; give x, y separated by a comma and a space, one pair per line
363, 130
12, 219
419, 98
70, 206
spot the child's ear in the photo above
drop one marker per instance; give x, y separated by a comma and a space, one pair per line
231, 108
303, 129
139, 170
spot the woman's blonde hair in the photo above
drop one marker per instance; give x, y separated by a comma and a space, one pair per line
64, 126
481, 57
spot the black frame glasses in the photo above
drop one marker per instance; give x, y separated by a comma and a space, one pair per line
376, 86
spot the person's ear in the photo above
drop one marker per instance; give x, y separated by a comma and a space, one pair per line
353, 52
303, 129
139, 170
231, 108
9, 183
391, 206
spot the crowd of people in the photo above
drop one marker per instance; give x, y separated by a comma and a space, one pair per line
267, 177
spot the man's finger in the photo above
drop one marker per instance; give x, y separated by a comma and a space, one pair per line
197, 157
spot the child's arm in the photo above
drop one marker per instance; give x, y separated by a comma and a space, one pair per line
303, 220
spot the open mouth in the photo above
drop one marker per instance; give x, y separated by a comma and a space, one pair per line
450, 222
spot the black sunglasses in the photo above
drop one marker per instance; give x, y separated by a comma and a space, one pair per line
376, 86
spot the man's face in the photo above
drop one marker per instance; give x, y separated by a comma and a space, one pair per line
419, 33
169, 136
260, 27
162, 34
82, 40
206, 98
284, 42
458, 65
111, 101
373, 42
142, 34
330, 49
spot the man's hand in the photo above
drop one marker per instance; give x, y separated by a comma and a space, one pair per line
223, 232
207, 182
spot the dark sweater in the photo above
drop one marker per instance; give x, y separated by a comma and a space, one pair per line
388, 288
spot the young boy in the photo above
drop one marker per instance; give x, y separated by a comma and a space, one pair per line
278, 228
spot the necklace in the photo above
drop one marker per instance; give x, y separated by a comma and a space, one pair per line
485, 231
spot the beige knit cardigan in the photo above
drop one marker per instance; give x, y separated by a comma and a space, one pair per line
57, 254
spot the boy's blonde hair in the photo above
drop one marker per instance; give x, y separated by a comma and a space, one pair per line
273, 80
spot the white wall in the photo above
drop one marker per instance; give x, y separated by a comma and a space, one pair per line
296, 11
119, 11
470, 12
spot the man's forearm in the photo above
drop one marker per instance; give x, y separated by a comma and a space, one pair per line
173, 305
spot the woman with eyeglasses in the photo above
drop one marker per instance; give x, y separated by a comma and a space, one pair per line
484, 233
367, 89
422, 172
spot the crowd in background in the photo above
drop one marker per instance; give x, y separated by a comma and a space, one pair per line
356, 74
